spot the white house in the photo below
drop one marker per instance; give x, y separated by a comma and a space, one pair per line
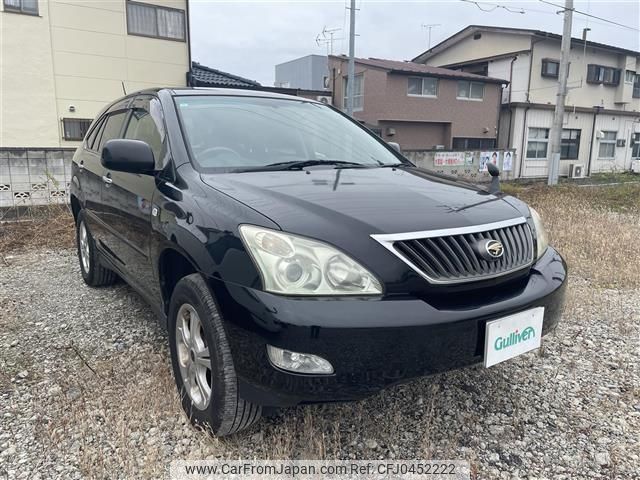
602, 115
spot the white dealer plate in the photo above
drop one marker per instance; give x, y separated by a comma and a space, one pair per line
511, 336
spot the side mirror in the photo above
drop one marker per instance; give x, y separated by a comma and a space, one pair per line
494, 171
123, 155
395, 146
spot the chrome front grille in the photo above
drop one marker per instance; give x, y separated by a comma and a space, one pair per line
455, 255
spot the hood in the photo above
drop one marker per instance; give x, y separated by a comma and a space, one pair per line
374, 200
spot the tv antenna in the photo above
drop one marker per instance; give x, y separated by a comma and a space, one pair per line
428, 27
327, 37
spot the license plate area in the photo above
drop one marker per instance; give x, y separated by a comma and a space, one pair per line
510, 336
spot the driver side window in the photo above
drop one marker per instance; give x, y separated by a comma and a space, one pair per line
146, 124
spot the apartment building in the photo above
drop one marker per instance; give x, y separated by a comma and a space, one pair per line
62, 61
421, 107
602, 117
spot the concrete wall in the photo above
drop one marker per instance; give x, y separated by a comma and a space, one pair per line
306, 72
421, 121
77, 52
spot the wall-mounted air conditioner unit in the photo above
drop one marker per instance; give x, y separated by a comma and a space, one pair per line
576, 170
326, 99
621, 142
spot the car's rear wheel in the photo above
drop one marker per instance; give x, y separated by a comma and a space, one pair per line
94, 273
202, 362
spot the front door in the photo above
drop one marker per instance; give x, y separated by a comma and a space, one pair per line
127, 197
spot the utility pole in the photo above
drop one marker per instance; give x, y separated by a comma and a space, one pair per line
429, 26
555, 136
351, 72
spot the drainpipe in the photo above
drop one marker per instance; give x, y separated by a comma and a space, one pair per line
524, 139
596, 110
509, 100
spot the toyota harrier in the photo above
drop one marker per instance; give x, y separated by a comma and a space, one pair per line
295, 257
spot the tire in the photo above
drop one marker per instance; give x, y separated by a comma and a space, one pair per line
192, 306
93, 273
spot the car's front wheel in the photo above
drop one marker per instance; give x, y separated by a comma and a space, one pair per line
202, 362
94, 273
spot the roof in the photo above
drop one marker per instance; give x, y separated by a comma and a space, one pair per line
202, 76
405, 67
456, 37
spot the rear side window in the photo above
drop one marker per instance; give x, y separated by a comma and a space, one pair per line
112, 127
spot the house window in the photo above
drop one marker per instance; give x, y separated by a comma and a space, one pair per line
470, 90
75, 128
538, 142
153, 21
629, 76
30, 7
358, 92
636, 87
607, 145
423, 87
550, 68
605, 75
570, 144
462, 143
635, 145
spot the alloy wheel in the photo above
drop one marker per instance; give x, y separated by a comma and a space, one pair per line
85, 252
193, 356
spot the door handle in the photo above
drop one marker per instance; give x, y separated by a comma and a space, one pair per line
107, 179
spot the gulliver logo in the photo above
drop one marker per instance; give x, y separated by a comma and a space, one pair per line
514, 338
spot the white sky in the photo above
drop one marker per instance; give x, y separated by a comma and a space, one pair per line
250, 38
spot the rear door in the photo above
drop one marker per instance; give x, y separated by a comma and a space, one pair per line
127, 197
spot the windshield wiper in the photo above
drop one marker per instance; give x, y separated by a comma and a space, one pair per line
300, 164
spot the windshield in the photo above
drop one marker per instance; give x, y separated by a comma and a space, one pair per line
249, 133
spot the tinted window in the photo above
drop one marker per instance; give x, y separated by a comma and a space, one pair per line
113, 127
245, 132
94, 137
146, 124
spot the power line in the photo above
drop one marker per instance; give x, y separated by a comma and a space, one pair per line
592, 16
494, 5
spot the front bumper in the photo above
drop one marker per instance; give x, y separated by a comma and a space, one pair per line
371, 342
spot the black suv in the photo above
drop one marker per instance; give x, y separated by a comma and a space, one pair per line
295, 257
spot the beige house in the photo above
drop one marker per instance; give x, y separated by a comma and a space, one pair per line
421, 107
62, 61
602, 119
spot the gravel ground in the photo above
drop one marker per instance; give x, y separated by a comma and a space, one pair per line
86, 392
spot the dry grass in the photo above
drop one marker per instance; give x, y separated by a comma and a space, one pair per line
595, 228
49, 227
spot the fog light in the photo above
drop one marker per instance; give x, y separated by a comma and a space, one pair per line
298, 362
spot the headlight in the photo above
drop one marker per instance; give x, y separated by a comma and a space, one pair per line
542, 242
300, 266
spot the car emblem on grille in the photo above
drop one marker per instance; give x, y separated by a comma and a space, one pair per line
490, 249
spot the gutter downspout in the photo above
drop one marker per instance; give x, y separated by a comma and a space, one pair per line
189, 74
524, 137
509, 101
596, 110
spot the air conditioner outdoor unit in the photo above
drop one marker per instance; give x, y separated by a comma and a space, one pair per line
576, 170
326, 99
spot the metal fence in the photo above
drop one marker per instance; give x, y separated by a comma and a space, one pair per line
32, 178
